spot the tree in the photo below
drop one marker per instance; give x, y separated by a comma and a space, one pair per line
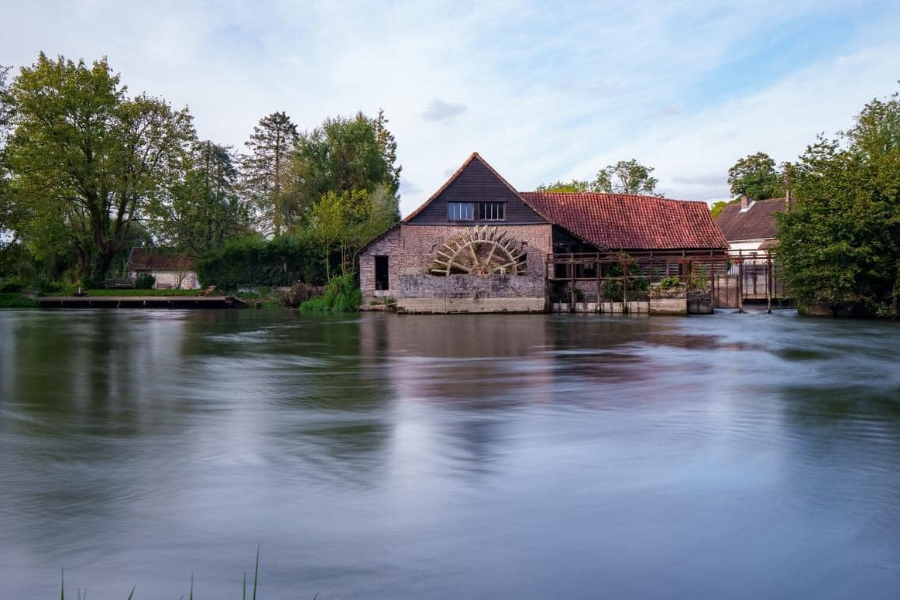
348, 220
265, 170
839, 244
8, 213
561, 186
626, 177
717, 207
343, 155
388, 145
85, 160
755, 176
202, 209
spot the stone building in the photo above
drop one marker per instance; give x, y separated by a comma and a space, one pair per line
172, 270
478, 245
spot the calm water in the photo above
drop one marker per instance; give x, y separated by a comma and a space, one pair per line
376, 456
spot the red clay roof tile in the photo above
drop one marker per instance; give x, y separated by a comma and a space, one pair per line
616, 221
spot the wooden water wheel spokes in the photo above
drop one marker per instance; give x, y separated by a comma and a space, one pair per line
480, 250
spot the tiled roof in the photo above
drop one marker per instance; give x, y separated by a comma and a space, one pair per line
756, 223
615, 221
158, 259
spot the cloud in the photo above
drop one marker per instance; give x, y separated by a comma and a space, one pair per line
441, 111
543, 92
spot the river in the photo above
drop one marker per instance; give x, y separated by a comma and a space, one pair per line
492, 456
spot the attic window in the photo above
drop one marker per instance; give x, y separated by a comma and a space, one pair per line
461, 211
492, 211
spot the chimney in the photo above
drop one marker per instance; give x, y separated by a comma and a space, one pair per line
745, 202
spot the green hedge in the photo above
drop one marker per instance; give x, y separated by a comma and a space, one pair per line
254, 261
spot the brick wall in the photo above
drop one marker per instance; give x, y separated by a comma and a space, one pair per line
412, 249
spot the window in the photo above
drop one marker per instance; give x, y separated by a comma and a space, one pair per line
382, 281
461, 211
492, 211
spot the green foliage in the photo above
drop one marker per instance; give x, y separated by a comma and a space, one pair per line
612, 290
626, 177
755, 176
266, 170
839, 244
573, 186
345, 156
9, 300
341, 295
85, 160
717, 207
201, 209
668, 283
254, 261
144, 281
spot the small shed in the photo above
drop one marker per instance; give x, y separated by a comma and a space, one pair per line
172, 270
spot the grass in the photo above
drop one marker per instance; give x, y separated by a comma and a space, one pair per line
83, 596
16, 301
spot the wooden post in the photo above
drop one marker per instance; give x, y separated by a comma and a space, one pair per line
625, 289
768, 287
572, 283
740, 286
599, 269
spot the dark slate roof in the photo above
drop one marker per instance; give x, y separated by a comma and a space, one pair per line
616, 221
158, 259
756, 223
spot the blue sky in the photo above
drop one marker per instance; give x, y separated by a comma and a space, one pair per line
544, 91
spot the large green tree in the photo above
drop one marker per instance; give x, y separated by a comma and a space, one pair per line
840, 241
202, 208
265, 171
756, 177
345, 155
85, 160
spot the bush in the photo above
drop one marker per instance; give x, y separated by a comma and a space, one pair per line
341, 295
11, 285
144, 281
253, 261
16, 301
668, 283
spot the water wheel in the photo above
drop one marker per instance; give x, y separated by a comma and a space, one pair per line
480, 251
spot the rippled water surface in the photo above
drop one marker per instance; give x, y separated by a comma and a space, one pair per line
376, 456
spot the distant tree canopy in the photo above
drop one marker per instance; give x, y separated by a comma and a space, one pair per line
88, 171
840, 240
625, 177
756, 177
717, 207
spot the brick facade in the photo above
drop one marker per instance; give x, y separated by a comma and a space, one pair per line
411, 251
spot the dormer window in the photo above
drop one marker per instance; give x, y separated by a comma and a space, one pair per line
461, 211
492, 211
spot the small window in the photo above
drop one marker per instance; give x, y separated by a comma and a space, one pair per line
461, 211
492, 211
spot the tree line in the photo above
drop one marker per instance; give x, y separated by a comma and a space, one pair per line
88, 171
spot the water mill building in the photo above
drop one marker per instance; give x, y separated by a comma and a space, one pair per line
479, 245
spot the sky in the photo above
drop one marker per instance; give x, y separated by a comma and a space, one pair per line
543, 91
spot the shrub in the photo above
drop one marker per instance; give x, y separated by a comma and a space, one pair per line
11, 285
341, 295
145, 281
668, 283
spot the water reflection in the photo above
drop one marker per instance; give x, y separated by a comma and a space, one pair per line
738, 456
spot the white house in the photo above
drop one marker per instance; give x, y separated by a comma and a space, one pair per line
172, 270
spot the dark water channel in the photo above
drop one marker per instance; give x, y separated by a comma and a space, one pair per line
376, 456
